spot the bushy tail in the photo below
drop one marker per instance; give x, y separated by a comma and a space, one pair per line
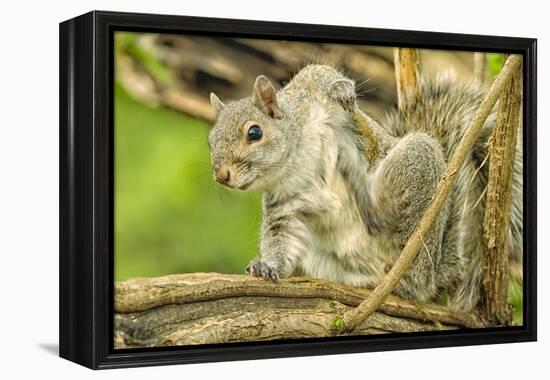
444, 111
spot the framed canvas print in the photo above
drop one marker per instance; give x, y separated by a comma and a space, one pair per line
236, 189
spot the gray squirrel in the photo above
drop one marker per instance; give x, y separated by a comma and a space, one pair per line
341, 197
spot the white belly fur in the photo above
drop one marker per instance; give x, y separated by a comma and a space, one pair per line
341, 248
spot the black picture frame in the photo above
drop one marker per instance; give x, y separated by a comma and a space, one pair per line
86, 188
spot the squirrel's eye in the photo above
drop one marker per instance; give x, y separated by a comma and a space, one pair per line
254, 133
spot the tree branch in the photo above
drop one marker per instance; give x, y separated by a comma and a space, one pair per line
355, 317
494, 296
200, 308
407, 76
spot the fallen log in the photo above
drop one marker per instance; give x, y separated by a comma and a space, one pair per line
205, 308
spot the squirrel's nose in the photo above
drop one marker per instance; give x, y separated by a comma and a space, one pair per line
223, 175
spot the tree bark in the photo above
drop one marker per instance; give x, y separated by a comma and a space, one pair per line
494, 299
203, 308
355, 317
407, 76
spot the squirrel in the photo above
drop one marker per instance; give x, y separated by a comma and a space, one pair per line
341, 193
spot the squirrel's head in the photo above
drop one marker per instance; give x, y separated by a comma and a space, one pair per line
249, 142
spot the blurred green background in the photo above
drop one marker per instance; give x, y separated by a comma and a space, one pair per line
170, 215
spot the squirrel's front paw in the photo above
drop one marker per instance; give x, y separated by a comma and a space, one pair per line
259, 268
343, 92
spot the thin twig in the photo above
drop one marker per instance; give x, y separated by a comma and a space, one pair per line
479, 198
470, 184
427, 250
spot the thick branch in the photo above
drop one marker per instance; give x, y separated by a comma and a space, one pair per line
354, 317
494, 305
407, 75
200, 308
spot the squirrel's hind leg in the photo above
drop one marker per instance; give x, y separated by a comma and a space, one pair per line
400, 190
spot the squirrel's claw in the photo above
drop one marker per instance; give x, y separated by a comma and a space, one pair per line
260, 269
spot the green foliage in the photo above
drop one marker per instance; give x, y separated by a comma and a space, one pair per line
495, 62
338, 323
129, 43
170, 216
515, 298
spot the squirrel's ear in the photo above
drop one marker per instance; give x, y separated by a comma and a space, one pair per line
265, 97
216, 103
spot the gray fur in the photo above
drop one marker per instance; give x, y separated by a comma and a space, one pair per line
332, 213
